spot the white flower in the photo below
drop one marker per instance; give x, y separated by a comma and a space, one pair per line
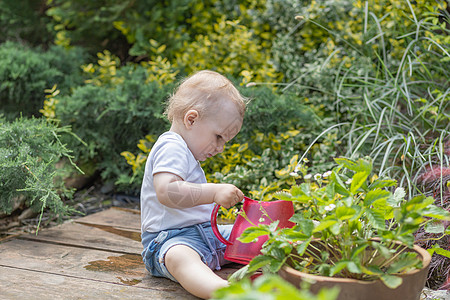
307, 176
261, 220
293, 174
349, 181
330, 207
317, 176
305, 160
315, 222
326, 174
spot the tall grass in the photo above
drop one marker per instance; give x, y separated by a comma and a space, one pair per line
397, 105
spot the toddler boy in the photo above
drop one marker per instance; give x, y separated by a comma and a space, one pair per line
205, 112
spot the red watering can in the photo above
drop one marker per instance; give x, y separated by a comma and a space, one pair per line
257, 212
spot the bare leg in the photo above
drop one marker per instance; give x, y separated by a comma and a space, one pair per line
192, 273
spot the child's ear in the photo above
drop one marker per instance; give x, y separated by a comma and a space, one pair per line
190, 118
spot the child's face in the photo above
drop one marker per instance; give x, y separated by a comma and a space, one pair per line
207, 136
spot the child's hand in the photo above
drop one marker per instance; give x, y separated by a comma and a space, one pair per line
227, 195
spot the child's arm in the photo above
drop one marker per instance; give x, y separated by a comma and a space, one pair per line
173, 192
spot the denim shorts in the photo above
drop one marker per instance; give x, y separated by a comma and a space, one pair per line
199, 237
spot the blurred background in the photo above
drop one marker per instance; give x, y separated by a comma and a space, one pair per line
83, 86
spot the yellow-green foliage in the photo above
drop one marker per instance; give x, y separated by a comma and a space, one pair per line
50, 102
137, 162
159, 69
390, 17
226, 36
229, 48
105, 71
225, 162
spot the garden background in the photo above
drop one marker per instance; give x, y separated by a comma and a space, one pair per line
83, 86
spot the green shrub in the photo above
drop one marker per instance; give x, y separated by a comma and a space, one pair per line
111, 118
123, 25
26, 72
29, 151
25, 21
272, 112
191, 34
229, 48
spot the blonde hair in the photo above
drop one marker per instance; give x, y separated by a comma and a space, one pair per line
201, 91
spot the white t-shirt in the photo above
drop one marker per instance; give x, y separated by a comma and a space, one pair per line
171, 154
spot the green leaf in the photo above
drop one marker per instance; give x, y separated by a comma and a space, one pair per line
356, 251
338, 267
259, 262
391, 281
296, 191
239, 274
344, 213
353, 267
382, 183
283, 196
277, 253
307, 226
438, 250
250, 234
324, 225
397, 197
273, 226
330, 191
376, 195
375, 219
275, 266
435, 227
295, 236
404, 261
339, 186
372, 270
306, 188
437, 213
303, 246
418, 203
358, 212
357, 181
348, 201
385, 251
297, 218
335, 228
347, 163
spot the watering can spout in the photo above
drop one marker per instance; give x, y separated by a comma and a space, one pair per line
256, 212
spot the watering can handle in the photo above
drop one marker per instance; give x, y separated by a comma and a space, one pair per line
214, 226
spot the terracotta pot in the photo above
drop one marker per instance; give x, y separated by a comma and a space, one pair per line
352, 289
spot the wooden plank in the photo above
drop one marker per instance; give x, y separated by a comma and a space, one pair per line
25, 284
115, 216
125, 269
94, 249
90, 236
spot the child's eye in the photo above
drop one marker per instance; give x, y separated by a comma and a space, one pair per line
218, 136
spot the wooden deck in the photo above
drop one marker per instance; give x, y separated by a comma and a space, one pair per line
94, 257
